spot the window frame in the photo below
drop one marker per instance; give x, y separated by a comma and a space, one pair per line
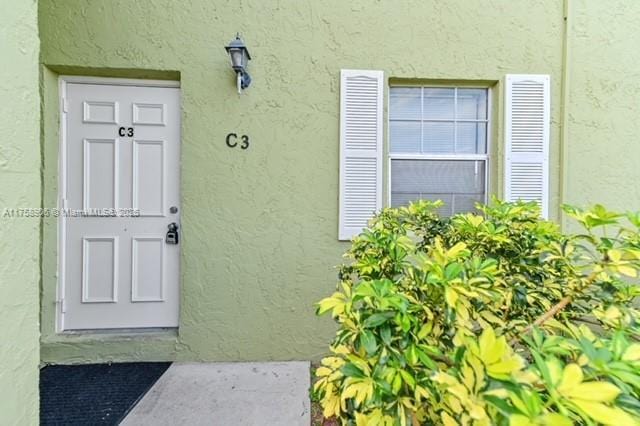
453, 157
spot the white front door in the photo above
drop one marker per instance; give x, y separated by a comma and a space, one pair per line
120, 160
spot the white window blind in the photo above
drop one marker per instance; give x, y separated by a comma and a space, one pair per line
458, 183
527, 110
361, 94
438, 146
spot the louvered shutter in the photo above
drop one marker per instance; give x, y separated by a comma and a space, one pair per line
527, 121
361, 95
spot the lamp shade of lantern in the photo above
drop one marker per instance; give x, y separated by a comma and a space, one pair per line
240, 57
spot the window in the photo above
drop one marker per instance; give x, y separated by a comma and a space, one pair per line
438, 146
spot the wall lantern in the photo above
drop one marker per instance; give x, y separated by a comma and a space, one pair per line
240, 58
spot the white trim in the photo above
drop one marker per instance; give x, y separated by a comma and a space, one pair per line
387, 148
118, 81
62, 204
487, 169
408, 156
445, 84
438, 120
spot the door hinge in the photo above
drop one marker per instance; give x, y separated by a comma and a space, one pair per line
63, 306
65, 106
64, 204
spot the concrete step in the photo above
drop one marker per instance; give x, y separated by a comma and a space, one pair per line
227, 394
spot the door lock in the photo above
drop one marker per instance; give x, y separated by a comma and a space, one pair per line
172, 234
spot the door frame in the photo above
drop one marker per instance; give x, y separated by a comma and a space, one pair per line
63, 80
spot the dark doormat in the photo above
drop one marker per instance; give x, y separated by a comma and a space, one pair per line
94, 394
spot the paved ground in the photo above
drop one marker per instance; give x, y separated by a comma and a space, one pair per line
225, 394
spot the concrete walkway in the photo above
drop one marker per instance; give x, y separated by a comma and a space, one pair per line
227, 394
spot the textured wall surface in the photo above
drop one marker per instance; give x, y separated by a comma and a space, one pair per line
603, 127
260, 226
19, 188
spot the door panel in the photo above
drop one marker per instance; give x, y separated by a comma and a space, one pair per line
147, 273
148, 177
100, 173
122, 153
99, 269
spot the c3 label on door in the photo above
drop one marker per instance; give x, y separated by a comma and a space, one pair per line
125, 131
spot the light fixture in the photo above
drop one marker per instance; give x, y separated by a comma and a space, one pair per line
240, 58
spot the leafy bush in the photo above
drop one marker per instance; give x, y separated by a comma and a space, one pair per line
495, 318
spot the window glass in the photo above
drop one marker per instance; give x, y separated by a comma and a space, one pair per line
405, 135
426, 123
405, 103
438, 137
471, 138
459, 183
471, 104
438, 104
438, 120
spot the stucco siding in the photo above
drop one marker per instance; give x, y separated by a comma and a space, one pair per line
19, 236
260, 226
603, 114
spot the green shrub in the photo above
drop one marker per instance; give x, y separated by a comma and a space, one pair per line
496, 318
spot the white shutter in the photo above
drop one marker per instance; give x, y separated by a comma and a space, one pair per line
527, 121
361, 95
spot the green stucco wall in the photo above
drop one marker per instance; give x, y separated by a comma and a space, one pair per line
260, 226
602, 148
19, 188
